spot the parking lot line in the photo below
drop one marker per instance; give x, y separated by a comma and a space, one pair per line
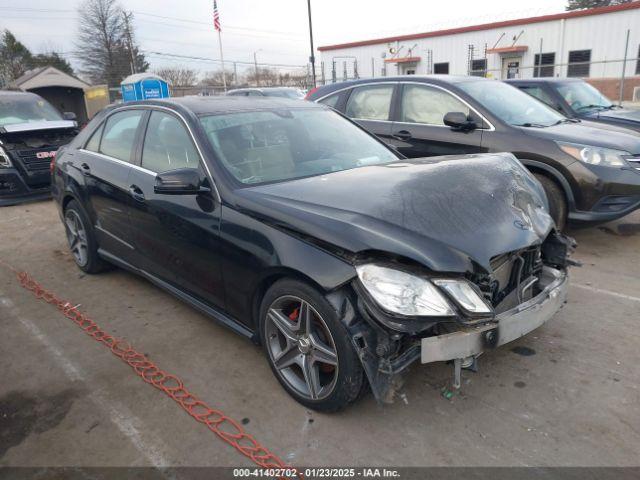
121, 417
606, 292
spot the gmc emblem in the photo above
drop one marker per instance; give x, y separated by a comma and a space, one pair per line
42, 155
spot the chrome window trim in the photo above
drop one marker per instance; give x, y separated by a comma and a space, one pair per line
186, 124
491, 128
117, 160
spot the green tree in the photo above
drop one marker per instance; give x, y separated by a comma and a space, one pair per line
15, 58
52, 59
581, 4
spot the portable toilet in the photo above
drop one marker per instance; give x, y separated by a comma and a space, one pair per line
143, 86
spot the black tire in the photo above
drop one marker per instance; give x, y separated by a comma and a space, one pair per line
347, 383
557, 200
92, 263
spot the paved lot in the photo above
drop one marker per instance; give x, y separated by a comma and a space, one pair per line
65, 400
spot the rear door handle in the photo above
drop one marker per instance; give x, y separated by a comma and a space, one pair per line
86, 169
402, 135
136, 193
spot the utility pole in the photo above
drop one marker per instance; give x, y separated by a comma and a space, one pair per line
312, 58
255, 63
127, 32
624, 69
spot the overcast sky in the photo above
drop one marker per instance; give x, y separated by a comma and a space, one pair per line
276, 29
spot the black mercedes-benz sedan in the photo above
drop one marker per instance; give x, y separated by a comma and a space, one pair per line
293, 226
590, 172
575, 98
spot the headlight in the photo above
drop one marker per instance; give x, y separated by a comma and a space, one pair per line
464, 294
5, 161
607, 157
403, 293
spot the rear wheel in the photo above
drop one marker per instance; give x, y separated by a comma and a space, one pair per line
557, 201
82, 240
308, 348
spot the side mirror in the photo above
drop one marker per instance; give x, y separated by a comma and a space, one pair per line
459, 121
182, 181
69, 116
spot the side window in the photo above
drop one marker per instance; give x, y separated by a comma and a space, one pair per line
120, 134
331, 100
94, 142
540, 94
372, 102
422, 104
167, 145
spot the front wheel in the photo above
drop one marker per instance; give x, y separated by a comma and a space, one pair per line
308, 348
557, 201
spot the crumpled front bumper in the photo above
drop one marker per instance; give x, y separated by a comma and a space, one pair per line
508, 326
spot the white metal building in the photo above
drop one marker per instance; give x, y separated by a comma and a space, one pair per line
583, 43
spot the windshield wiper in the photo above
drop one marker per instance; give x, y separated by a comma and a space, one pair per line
591, 107
529, 125
567, 120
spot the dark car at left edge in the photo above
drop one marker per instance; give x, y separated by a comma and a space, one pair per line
295, 227
31, 131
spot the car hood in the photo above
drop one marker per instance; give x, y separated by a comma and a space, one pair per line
451, 214
589, 133
40, 125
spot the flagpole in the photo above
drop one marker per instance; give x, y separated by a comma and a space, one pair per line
224, 76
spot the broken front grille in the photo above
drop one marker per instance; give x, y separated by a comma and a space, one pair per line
31, 162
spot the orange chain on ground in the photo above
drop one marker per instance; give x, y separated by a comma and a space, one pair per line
224, 427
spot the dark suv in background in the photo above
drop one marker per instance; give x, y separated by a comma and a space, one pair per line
575, 98
589, 174
31, 131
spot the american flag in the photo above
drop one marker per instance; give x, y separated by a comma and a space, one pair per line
216, 16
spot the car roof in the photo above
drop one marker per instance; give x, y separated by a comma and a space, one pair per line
544, 80
202, 105
17, 93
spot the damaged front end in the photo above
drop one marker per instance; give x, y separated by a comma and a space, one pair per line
459, 316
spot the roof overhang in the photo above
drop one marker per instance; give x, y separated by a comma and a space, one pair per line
402, 60
512, 49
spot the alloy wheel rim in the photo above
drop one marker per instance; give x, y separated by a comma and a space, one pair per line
301, 347
77, 237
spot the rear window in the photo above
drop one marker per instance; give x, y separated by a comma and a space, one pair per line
120, 134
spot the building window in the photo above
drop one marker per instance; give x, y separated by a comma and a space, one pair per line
638, 62
544, 64
441, 68
579, 63
479, 67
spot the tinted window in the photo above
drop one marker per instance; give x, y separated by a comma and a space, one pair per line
539, 93
120, 134
94, 142
331, 100
268, 146
421, 104
372, 102
579, 63
168, 145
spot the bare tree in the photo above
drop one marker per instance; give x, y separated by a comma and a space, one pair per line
15, 58
580, 4
105, 43
215, 78
178, 77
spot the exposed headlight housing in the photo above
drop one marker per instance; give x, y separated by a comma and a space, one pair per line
464, 294
402, 293
5, 161
593, 155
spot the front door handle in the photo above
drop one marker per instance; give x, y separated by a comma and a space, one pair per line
137, 193
402, 135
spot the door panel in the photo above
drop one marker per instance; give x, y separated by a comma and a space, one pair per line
107, 180
420, 131
177, 236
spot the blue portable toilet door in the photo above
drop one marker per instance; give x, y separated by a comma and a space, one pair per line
151, 88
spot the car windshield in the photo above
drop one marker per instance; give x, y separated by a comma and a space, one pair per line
24, 109
582, 97
284, 144
284, 92
511, 105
